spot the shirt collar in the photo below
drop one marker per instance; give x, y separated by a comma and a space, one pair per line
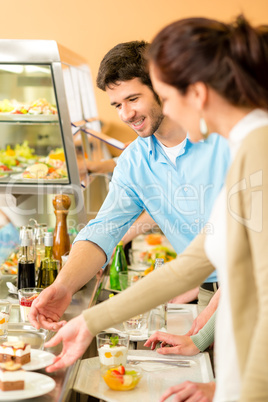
157, 152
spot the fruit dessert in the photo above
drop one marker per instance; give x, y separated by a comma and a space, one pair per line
25, 306
121, 379
18, 352
11, 376
112, 355
4, 318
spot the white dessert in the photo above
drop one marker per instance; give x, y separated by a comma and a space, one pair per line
11, 376
19, 352
112, 356
4, 318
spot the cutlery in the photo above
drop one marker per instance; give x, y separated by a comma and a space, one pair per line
178, 363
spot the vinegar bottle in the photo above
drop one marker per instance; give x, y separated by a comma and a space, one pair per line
48, 267
26, 265
61, 240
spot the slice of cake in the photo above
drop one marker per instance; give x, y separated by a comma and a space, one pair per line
11, 376
18, 352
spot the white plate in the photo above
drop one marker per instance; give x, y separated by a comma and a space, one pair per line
35, 385
39, 359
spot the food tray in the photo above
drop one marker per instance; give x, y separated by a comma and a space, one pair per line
25, 332
153, 383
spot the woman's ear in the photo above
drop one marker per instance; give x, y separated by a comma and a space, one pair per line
198, 95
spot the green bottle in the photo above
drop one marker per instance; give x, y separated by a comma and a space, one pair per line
48, 267
119, 264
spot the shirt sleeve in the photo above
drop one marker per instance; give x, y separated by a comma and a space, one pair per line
120, 209
205, 337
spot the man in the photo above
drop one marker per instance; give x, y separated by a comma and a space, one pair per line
161, 172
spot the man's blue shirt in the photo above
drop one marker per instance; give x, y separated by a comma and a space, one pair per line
179, 198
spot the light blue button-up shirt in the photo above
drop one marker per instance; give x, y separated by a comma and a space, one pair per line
179, 198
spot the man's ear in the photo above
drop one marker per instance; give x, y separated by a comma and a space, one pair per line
198, 95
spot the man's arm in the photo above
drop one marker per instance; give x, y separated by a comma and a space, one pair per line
143, 224
85, 260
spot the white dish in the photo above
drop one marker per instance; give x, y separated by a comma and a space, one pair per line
35, 385
39, 359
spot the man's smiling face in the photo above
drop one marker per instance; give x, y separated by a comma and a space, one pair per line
136, 105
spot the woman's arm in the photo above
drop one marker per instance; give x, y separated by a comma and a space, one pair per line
189, 269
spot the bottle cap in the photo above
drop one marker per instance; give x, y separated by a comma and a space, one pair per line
120, 243
48, 239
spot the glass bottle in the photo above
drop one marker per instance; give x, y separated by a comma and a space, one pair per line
49, 267
119, 264
40, 230
158, 316
26, 263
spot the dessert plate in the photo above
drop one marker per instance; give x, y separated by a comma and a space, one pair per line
35, 385
39, 359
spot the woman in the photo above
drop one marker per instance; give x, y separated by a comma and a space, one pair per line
211, 77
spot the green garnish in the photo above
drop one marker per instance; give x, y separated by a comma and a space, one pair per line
114, 340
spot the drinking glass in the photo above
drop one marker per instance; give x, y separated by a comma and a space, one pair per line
5, 308
112, 348
26, 297
128, 278
136, 325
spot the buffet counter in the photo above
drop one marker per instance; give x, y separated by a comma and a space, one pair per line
18, 330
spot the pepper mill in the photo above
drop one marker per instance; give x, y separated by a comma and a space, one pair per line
61, 240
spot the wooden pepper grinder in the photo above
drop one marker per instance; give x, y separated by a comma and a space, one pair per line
61, 240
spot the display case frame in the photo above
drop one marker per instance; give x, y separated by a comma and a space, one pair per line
50, 53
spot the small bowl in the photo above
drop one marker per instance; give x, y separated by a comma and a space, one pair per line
122, 382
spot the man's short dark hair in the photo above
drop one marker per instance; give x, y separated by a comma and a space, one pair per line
124, 62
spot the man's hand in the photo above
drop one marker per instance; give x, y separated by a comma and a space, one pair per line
49, 306
75, 337
172, 344
190, 391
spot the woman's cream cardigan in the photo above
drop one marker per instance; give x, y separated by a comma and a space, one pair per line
247, 245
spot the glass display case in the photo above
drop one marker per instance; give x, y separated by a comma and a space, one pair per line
46, 102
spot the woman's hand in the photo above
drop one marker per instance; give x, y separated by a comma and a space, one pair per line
172, 344
190, 391
75, 337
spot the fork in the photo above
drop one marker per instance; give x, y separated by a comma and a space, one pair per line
182, 363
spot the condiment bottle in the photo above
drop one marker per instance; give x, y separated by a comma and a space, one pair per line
119, 264
48, 267
61, 240
26, 264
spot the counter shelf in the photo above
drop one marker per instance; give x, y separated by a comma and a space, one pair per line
82, 299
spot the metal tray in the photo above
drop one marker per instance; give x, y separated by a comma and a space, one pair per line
154, 382
23, 331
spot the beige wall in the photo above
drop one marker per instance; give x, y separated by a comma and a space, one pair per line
92, 27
